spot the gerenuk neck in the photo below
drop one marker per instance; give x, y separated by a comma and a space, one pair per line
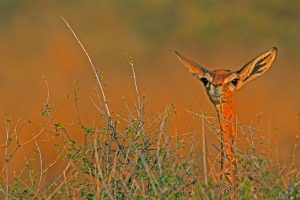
227, 131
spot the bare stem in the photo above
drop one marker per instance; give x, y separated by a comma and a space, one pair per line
204, 151
7, 121
131, 63
140, 107
41, 166
93, 68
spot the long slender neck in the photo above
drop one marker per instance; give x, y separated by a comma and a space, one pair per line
225, 116
226, 120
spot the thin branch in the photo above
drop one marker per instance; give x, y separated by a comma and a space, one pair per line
33, 139
41, 167
50, 196
204, 151
131, 63
55, 161
47, 86
7, 121
93, 68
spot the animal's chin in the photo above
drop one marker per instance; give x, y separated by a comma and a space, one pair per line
215, 100
218, 99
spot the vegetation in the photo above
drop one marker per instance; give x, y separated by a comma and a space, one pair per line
135, 158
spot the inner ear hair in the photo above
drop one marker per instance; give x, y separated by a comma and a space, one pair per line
258, 66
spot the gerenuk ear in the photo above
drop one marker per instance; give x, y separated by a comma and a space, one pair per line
194, 68
257, 66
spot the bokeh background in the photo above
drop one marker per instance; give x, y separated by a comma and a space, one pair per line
216, 33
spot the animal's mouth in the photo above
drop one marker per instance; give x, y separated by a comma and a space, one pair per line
218, 99
219, 95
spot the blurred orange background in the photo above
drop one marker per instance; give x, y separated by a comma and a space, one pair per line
218, 34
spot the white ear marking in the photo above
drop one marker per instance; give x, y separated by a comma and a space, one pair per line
258, 65
208, 77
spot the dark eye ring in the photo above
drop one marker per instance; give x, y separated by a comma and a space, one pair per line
235, 81
204, 81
